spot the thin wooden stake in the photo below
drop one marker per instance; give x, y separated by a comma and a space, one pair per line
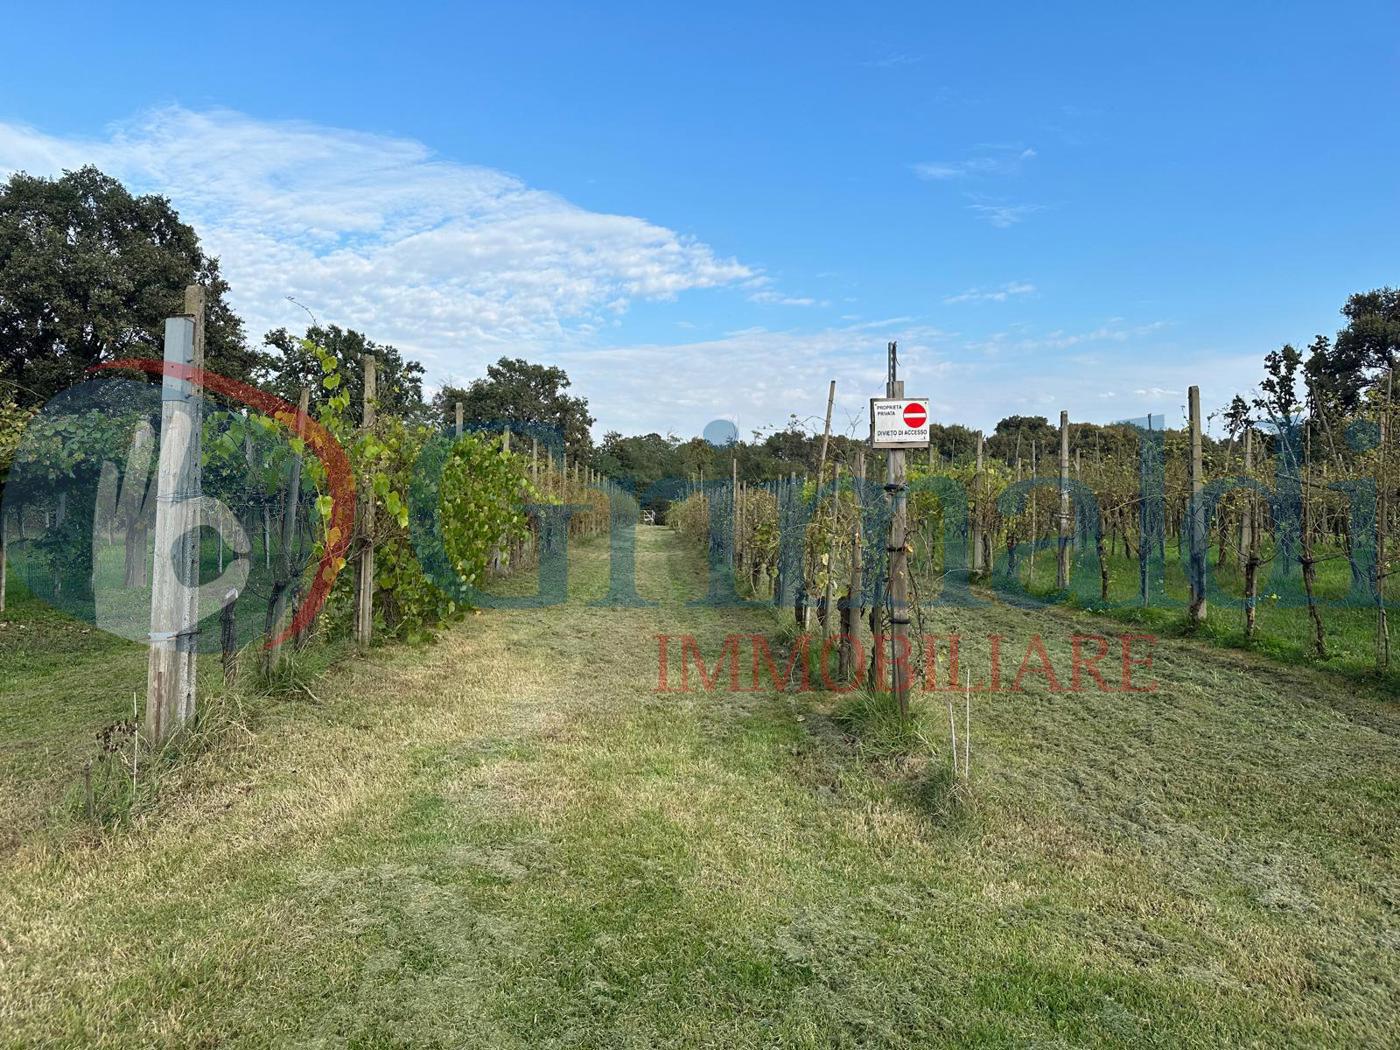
1062, 562
364, 604
1197, 518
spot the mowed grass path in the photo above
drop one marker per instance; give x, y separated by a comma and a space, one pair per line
510, 838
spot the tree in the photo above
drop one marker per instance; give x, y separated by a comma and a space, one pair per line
1237, 417
398, 383
1372, 335
516, 391
1015, 435
88, 273
1278, 399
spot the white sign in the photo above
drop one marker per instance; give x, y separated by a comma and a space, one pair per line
899, 422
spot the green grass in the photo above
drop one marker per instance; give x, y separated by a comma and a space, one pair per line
1284, 631
510, 838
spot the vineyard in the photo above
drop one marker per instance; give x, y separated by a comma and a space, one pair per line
440, 510
558, 753
1107, 527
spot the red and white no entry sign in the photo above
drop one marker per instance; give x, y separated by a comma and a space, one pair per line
898, 422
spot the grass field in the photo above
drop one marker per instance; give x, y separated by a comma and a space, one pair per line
510, 838
1283, 628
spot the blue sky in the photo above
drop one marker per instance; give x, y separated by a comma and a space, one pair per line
711, 211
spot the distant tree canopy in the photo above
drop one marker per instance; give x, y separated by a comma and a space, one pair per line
398, 383
89, 273
514, 390
1371, 337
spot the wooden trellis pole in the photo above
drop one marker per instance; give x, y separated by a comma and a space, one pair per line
828, 614
1062, 563
171, 666
1383, 531
364, 580
734, 512
1249, 541
808, 576
1197, 518
281, 584
898, 557
461, 412
4, 556
978, 555
851, 615
1247, 518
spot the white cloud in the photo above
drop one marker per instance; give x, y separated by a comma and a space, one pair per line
985, 160
769, 296
757, 376
458, 264
1000, 213
894, 60
760, 376
451, 262
992, 295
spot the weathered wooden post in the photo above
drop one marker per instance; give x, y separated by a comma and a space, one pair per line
1062, 564
4, 555
364, 578
851, 614
1249, 546
734, 513
171, 666
282, 581
1383, 529
1197, 518
1034, 492
1247, 518
808, 567
828, 614
978, 555
461, 412
898, 556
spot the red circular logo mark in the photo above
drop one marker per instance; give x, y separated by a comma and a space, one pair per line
915, 415
323, 445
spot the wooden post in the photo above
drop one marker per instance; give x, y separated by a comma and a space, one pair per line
1035, 525
1247, 518
808, 574
734, 514
170, 672
364, 580
4, 556
1383, 529
978, 559
828, 613
281, 584
899, 560
851, 615
461, 412
1249, 546
1197, 519
1062, 565
826, 431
